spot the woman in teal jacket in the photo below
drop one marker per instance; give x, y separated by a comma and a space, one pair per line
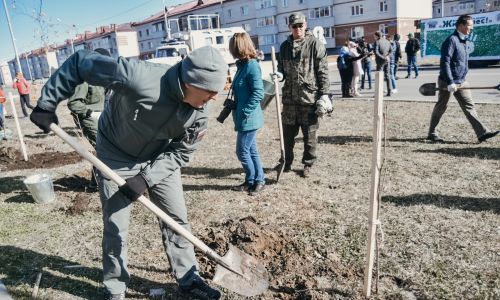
248, 91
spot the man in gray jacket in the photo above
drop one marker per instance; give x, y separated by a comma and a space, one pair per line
304, 67
151, 126
382, 53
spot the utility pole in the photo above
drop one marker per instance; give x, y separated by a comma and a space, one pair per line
165, 13
12, 37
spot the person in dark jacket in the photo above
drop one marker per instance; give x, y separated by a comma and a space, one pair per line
149, 129
397, 55
248, 118
411, 49
304, 65
366, 62
382, 53
344, 64
453, 70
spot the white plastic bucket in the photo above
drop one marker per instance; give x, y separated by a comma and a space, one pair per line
40, 187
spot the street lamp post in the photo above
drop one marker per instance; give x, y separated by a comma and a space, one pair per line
12, 37
165, 13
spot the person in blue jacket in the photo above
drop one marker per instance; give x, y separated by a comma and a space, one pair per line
248, 90
453, 70
149, 129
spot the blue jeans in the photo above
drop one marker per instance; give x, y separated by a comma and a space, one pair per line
367, 69
392, 70
412, 61
248, 155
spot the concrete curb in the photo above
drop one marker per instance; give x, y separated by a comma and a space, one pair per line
4, 295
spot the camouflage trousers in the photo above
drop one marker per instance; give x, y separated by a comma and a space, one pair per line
297, 117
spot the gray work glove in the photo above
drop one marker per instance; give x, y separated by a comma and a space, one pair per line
134, 187
324, 106
278, 74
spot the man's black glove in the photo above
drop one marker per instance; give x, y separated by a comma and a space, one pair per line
134, 187
43, 118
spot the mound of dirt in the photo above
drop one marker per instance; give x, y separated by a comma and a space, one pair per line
281, 255
12, 159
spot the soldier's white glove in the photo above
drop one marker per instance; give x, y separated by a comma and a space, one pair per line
452, 88
323, 106
95, 115
278, 74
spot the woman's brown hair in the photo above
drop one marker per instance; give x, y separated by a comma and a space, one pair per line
241, 46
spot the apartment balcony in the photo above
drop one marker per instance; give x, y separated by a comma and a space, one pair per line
265, 12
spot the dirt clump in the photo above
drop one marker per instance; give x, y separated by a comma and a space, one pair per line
12, 159
280, 254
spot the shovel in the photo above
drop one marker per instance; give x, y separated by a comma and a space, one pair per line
429, 89
240, 272
281, 167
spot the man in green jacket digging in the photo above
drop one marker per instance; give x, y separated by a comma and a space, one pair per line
153, 123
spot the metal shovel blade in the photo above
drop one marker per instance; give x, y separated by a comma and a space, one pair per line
428, 89
255, 279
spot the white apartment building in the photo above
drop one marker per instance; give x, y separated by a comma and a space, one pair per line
267, 20
448, 8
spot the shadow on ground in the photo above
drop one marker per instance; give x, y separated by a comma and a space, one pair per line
211, 172
475, 152
20, 267
447, 201
11, 184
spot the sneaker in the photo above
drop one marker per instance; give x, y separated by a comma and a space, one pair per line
407, 76
488, 135
394, 91
388, 94
257, 188
306, 171
434, 138
244, 187
416, 76
117, 296
200, 290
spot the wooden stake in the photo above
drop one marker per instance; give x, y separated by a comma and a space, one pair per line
278, 112
37, 284
19, 133
375, 179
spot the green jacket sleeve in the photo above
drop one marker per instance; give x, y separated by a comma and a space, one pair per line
321, 69
85, 66
178, 152
76, 103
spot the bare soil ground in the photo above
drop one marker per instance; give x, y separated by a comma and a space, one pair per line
440, 212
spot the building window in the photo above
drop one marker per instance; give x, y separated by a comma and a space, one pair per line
357, 32
261, 4
140, 33
244, 10
267, 39
159, 27
285, 3
439, 10
329, 32
247, 27
265, 21
461, 6
301, 1
219, 40
384, 29
286, 21
453, 9
496, 3
320, 12
150, 45
357, 10
471, 5
147, 32
229, 13
383, 6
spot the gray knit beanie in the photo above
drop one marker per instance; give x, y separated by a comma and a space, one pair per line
205, 68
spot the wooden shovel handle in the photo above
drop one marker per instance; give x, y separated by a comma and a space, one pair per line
142, 199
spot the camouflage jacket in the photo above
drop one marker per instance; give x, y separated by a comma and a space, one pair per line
305, 70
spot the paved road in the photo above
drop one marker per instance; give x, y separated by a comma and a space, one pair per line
408, 88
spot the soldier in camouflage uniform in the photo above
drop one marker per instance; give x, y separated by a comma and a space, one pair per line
303, 63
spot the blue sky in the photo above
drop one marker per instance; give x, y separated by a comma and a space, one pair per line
58, 16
